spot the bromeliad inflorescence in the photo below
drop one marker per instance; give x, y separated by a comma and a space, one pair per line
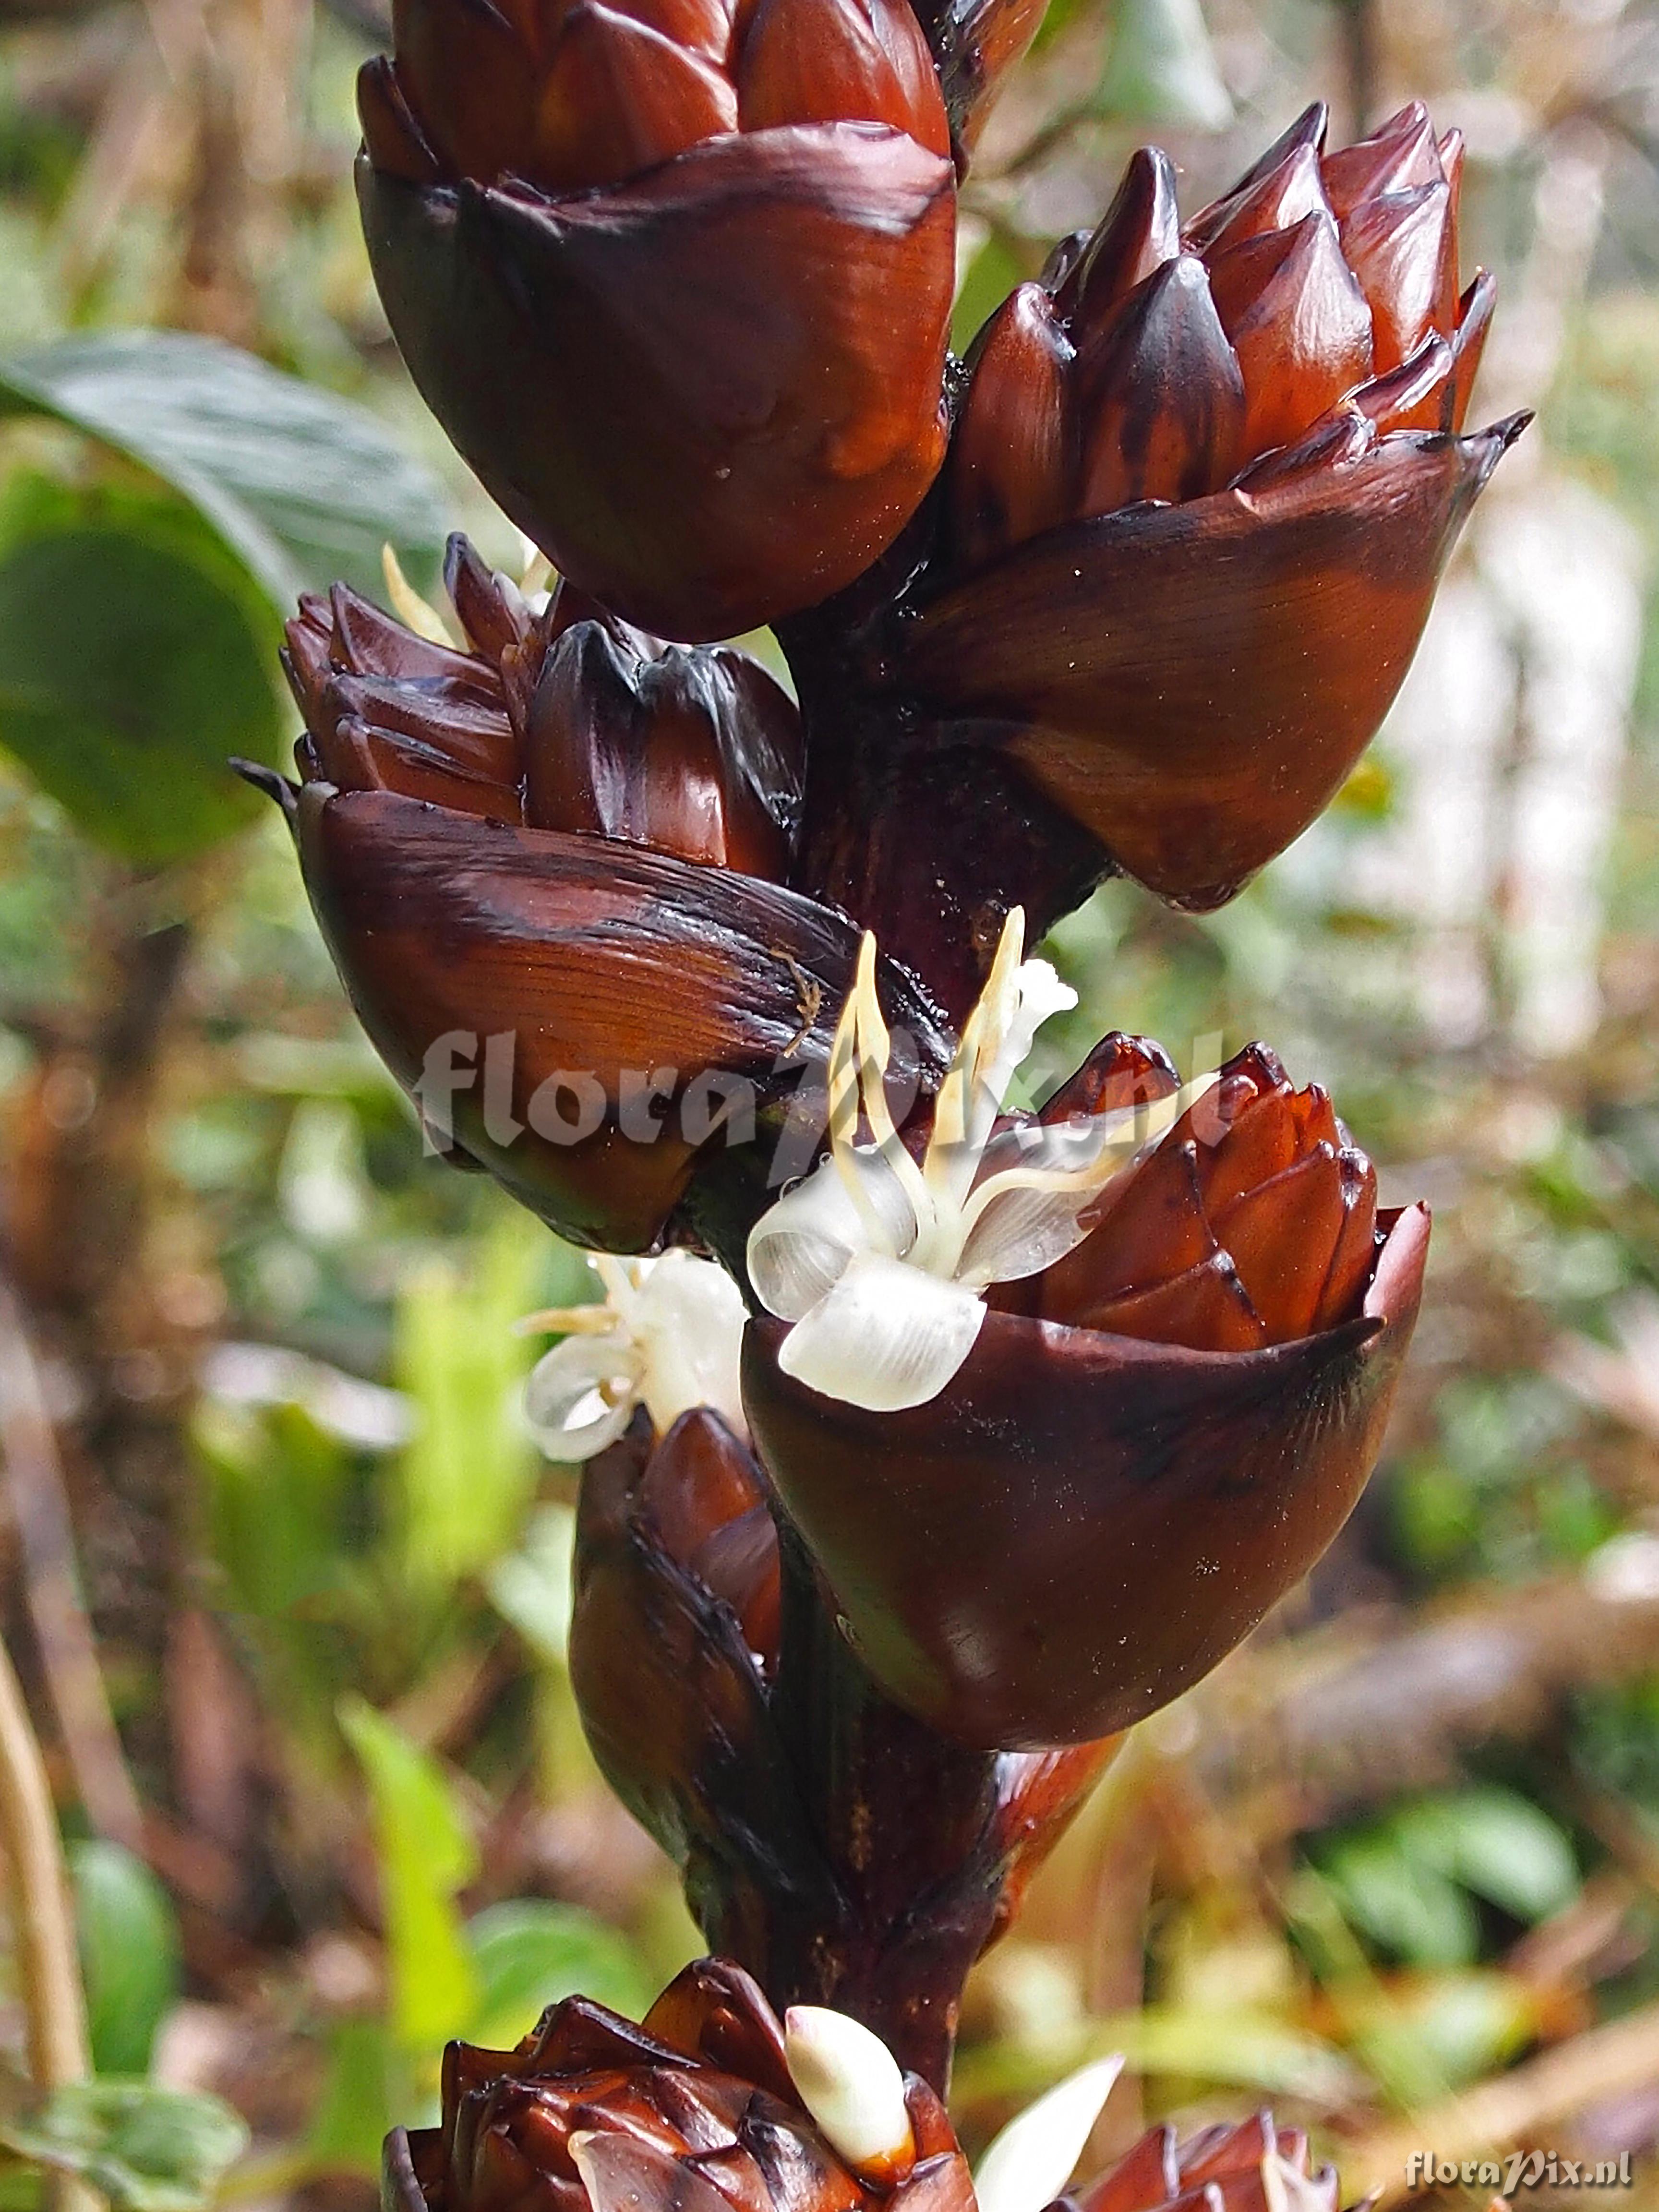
1001, 1426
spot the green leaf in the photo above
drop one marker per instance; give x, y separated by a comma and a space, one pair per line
531, 1587
426, 1854
129, 1944
529, 1954
135, 657
465, 1478
1160, 68
304, 485
355, 2110
1412, 1909
1498, 1844
277, 1487
147, 2148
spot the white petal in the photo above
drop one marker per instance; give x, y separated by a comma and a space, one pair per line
886, 1336
580, 1395
1022, 1231
800, 1246
688, 1329
1031, 2160
850, 2082
1039, 994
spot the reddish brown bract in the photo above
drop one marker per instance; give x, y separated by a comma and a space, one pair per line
1089, 1515
1252, 2168
1200, 494
1252, 1223
676, 279
1159, 364
693, 2111
535, 850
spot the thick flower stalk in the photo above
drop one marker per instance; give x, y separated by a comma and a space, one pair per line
547, 861
1039, 1412
1073, 1520
676, 280
1201, 488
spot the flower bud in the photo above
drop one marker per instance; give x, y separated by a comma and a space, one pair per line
1253, 1222
1200, 491
675, 278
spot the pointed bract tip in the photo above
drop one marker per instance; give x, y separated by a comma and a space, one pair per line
850, 2082
270, 781
1031, 2162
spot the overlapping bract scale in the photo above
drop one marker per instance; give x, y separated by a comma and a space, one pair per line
1253, 1222
1158, 362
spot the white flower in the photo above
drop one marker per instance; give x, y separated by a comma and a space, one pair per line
666, 1337
1028, 2164
850, 2082
881, 1263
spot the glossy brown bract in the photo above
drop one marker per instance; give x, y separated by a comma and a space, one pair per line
676, 280
692, 2111
1082, 1524
1200, 493
528, 856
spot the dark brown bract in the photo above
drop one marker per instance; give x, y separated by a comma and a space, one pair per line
676, 279
529, 854
692, 2111
1088, 1517
1199, 496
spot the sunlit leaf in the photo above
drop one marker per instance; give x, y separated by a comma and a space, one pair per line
147, 2148
1245, 2050
354, 2110
531, 1587
129, 1943
426, 1854
465, 1478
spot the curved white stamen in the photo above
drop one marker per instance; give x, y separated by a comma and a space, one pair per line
667, 1336
880, 1264
411, 610
1031, 2162
850, 2082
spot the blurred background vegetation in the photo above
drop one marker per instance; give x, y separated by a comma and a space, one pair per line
283, 1576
